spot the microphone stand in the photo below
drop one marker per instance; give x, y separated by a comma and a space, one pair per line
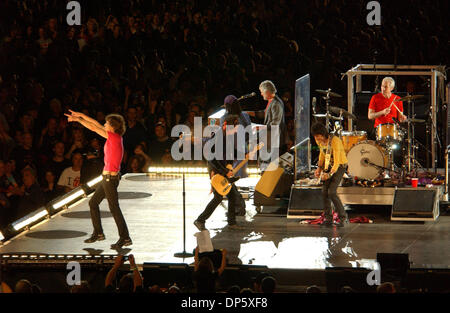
184, 254
380, 168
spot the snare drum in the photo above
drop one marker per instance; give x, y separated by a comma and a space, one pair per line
351, 138
388, 133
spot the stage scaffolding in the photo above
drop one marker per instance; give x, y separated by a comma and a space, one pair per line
437, 76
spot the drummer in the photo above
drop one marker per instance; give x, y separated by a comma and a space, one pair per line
382, 106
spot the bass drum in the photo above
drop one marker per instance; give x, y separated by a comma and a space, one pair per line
361, 155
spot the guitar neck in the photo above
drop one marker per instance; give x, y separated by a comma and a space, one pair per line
240, 165
247, 157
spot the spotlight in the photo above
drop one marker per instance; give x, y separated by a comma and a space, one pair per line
1, 236
29, 219
69, 198
95, 181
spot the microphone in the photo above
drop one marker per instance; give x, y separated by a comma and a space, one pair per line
314, 101
249, 95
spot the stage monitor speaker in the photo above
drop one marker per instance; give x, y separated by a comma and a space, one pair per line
356, 278
241, 275
393, 266
166, 274
428, 280
415, 204
272, 187
269, 180
305, 202
50, 274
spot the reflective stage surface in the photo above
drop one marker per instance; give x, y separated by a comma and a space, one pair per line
152, 207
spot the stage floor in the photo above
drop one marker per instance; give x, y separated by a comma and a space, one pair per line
152, 207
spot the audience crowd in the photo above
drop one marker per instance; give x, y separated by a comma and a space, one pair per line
205, 279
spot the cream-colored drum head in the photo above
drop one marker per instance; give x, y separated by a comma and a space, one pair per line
360, 154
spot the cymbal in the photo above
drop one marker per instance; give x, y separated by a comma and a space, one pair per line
416, 120
411, 97
326, 92
329, 116
345, 113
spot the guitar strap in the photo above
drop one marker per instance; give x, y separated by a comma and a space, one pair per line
328, 154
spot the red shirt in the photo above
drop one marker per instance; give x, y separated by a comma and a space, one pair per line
268, 103
379, 102
113, 152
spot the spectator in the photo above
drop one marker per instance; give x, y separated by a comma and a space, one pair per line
155, 289
347, 289
25, 154
43, 41
50, 188
386, 287
205, 276
234, 289
78, 142
6, 142
144, 159
136, 165
92, 164
135, 132
70, 177
161, 145
4, 288
128, 283
10, 179
31, 196
313, 289
23, 286
36, 289
83, 287
4, 183
268, 284
58, 163
49, 136
174, 289
257, 284
5, 213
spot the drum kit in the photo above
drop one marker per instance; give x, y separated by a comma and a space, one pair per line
369, 159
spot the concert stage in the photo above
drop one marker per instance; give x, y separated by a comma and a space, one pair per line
152, 206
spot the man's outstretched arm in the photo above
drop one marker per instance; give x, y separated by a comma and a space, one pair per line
89, 123
86, 118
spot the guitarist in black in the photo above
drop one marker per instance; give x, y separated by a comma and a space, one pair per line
219, 167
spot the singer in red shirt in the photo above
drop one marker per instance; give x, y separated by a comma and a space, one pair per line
113, 130
382, 106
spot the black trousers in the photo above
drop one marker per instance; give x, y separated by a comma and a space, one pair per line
329, 194
212, 205
107, 188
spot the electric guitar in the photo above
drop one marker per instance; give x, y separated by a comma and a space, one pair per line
222, 184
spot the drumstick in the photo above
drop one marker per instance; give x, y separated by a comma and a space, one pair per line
392, 103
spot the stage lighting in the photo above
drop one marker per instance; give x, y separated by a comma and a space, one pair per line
29, 219
68, 198
95, 181
1, 236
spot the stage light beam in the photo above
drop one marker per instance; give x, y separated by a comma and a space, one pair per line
68, 199
95, 181
21, 224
